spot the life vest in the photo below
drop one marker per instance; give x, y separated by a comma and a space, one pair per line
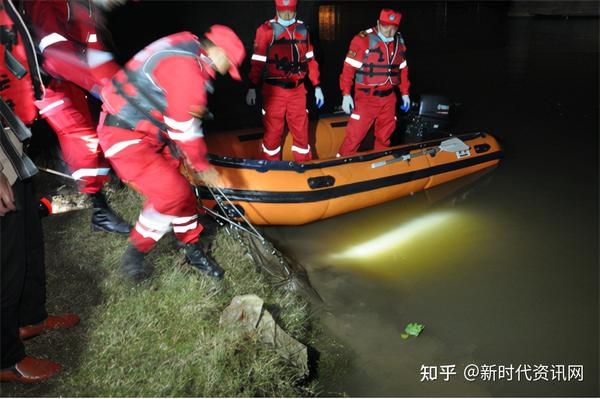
379, 67
287, 53
141, 98
20, 79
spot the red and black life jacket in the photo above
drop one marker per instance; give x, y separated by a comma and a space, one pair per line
286, 55
20, 79
379, 67
142, 99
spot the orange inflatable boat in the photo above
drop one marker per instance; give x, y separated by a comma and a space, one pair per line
287, 193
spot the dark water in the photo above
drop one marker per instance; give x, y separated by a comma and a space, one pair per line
501, 271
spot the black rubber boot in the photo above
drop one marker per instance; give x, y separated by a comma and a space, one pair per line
203, 262
104, 218
132, 264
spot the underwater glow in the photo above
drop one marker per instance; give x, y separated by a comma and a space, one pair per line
397, 237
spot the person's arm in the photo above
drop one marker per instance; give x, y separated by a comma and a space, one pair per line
313, 65
352, 63
263, 37
182, 81
404, 82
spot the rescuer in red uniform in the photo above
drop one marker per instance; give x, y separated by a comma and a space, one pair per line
375, 64
283, 56
78, 62
151, 121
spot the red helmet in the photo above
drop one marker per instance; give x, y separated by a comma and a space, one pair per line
285, 5
225, 38
390, 17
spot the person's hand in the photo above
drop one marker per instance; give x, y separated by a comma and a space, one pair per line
405, 103
7, 199
319, 97
348, 104
251, 97
210, 177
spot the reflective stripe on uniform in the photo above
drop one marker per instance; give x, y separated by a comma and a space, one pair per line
310, 54
51, 106
78, 174
186, 136
301, 150
353, 62
261, 58
153, 224
355, 116
93, 38
157, 225
271, 152
147, 233
184, 219
188, 130
91, 142
185, 223
50, 40
187, 227
403, 65
115, 148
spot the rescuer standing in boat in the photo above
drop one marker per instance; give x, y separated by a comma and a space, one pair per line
151, 121
283, 56
375, 63
78, 63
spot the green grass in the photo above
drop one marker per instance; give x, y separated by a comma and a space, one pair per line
162, 337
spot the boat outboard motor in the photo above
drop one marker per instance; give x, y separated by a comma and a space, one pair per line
430, 115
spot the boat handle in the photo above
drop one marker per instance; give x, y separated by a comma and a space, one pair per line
320, 182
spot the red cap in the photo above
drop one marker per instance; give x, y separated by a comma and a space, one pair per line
285, 5
225, 38
390, 17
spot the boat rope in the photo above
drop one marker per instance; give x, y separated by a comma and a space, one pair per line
219, 201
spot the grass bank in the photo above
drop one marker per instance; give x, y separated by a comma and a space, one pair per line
162, 337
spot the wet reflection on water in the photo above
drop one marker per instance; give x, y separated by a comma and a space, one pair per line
502, 268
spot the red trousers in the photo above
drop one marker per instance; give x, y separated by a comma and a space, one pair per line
369, 108
65, 108
137, 159
281, 105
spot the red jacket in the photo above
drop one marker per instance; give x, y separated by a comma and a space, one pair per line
71, 47
286, 52
162, 89
371, 63
20, 79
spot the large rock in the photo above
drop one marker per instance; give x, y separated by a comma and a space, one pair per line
247, 312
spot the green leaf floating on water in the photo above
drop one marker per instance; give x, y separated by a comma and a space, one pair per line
413, 329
